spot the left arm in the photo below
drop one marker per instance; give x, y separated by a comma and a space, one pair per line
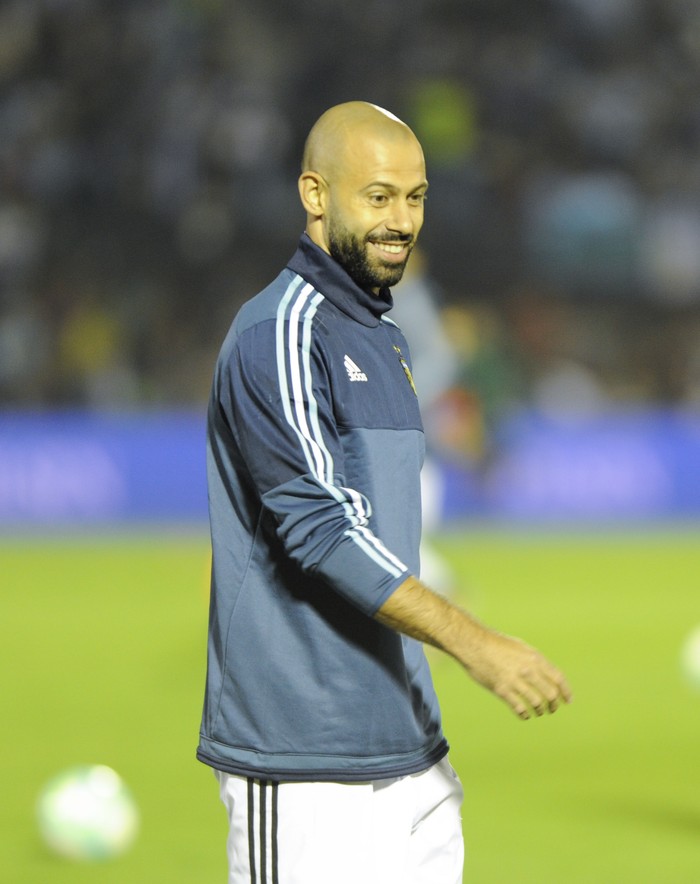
509, 668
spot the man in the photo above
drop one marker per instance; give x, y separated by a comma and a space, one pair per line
320, 716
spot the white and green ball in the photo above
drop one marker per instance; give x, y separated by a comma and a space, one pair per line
690, 658
87, 813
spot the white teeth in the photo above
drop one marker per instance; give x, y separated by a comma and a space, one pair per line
393, 248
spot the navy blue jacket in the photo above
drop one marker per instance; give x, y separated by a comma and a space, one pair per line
315, 445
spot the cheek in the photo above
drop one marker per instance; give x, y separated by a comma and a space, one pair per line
349, 222
417, 224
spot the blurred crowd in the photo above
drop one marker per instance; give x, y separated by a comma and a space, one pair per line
148, 159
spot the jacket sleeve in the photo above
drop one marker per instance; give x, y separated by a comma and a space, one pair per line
275, 394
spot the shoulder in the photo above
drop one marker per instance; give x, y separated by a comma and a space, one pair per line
265, 305
290, 298
288, 313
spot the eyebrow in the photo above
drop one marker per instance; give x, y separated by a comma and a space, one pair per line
388, 186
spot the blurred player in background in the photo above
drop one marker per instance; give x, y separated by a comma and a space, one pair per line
435, 368
320, 716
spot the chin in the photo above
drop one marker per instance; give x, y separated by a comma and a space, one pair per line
393, 277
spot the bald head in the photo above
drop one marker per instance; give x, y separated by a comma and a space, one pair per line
342, 128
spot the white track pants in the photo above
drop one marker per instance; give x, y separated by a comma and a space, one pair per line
406, 830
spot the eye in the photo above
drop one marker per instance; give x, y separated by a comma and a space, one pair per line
417, 199
378, 199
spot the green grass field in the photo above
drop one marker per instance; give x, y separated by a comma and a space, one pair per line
103, 643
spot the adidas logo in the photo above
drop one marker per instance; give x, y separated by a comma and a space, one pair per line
355, 373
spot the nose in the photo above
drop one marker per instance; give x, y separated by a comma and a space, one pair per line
402, 219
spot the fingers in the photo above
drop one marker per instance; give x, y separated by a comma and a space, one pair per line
519, 675
537, 691
516, 702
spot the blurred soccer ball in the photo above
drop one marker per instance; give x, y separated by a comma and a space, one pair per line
87, 813
690, 658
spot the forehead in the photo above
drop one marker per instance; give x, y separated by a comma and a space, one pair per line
396, 161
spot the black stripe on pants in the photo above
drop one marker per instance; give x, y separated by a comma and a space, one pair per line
263, 868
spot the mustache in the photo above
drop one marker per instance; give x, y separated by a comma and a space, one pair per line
402, 238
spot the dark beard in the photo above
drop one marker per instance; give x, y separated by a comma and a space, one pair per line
350, 252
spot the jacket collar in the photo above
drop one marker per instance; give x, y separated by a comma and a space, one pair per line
330, 279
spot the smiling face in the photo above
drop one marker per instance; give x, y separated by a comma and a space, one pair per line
365, 208
375, 211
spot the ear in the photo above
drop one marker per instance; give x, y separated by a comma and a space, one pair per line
313, 190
